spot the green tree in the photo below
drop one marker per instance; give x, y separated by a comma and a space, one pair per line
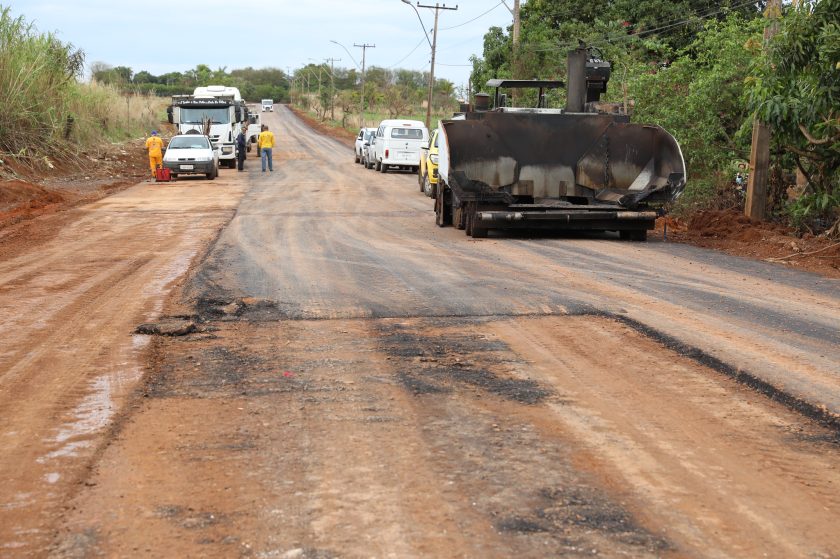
700, 98
797, 92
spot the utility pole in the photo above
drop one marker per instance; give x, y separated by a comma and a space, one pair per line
332, 61
437, 8
756, 204
516, 26
364, 47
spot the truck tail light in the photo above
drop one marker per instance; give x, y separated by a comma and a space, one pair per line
386, 154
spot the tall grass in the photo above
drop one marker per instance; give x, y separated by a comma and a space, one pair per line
45, 110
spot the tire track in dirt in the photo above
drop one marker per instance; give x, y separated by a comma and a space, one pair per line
68, 358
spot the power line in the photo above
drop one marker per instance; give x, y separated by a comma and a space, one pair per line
407, 55
628, 36
473, 19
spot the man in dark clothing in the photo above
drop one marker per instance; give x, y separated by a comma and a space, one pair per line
240, 151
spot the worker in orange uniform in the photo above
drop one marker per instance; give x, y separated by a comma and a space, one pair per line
266, 145
154, 146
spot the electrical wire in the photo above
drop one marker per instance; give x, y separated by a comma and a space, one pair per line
626, 37
407, 55
473, 19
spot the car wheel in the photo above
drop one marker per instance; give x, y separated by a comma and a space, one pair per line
358, 159
173, 176
377, 165
383, 168
427, 186
421, 179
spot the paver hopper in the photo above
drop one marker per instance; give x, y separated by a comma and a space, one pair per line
558, 169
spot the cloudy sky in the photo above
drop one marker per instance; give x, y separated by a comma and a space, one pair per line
175, 35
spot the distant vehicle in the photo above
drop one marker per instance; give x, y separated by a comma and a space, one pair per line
253, 130
397, 143
268, 105
363, 137
427, 175
191, 154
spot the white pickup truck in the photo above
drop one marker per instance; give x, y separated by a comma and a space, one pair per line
268, 105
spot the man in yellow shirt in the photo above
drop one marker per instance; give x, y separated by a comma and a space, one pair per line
266, 145
154, 146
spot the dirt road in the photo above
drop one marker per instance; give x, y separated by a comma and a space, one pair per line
366, 384
72, 289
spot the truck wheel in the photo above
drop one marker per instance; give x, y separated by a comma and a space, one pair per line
633, 235
443, 217
377, 166
459, 214
475, 228
383, 168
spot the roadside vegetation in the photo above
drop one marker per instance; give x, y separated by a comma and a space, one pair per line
330, 94
48, 114
700, 69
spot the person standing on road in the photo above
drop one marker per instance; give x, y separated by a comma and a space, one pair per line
259, 151
154, 146
266, 143
240, 150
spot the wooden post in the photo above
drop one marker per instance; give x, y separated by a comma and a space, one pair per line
756, 204
759, 169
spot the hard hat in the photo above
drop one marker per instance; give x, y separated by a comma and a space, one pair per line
154, 132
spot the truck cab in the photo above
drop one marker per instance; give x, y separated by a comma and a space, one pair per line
214, 110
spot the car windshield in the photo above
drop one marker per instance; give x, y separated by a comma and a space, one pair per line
369, 135
407, 133
189, 142
219, 115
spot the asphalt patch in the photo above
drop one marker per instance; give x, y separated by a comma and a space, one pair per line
585, 509
432, 362
218, 372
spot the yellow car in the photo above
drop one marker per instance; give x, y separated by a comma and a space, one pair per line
427, 174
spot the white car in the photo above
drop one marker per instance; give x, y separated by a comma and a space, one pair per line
363, 137
267, 105
191, 154
398, 143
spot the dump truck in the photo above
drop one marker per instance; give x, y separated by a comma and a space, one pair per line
584, 167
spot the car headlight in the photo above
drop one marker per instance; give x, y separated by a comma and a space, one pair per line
203, 159
434, 158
